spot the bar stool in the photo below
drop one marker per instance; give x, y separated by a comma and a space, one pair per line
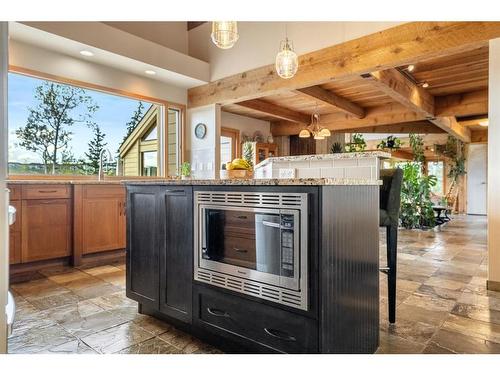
390, 202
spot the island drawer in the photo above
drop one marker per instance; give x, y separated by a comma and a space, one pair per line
46, 191
272, 327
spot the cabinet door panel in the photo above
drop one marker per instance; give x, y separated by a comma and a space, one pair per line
176, 254
46, 229
102, 224
15, 247
142, 245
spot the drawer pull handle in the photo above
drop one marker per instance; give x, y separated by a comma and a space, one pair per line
240, 250
242, 217
279, 334
175, 191
47, 191
217, 312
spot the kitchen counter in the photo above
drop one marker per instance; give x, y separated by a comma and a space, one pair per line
261, 182
64, 182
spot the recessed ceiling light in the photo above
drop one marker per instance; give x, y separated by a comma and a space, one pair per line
425, 85
86, 53
411, 68
150, 72
484, 123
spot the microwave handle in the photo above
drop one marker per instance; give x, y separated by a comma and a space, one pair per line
271, 224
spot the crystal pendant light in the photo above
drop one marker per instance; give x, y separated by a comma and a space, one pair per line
287, 62
224, 33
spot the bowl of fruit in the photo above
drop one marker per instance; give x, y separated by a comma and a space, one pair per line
238, 168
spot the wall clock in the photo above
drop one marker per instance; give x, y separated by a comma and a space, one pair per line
200, 131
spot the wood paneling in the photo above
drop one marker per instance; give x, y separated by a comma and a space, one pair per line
397, 46
276, 111
329, 97
46, 229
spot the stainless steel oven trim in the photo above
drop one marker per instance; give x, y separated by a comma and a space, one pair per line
301, 296
286, 282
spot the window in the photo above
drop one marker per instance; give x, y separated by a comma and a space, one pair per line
229, 144
131, 129
436, 168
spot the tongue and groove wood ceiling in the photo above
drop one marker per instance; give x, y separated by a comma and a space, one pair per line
388, 100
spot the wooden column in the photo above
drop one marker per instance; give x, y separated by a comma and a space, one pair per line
493, 208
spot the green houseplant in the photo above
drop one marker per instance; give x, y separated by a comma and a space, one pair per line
185, 170
357, 143
336, 148
390, 143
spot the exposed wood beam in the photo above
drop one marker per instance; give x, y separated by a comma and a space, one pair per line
479, 136
276, 111
376, 116
401, 154
394, 84
334, 100
451, 125
472, 103
474, 121
400, 45
416, 127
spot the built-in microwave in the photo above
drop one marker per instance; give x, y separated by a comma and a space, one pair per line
254, 243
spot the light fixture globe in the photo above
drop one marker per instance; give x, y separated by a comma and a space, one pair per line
224, 33
325, 132
287, 62
304, 133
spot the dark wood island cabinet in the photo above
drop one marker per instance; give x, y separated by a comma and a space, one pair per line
165, 223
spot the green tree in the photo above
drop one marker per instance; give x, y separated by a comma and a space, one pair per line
134, 120
46, 131
95, 146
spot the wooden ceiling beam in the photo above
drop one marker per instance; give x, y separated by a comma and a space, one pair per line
479, 136
474, 103
397, 46
276, 111
394, 84
416, 127
329, 97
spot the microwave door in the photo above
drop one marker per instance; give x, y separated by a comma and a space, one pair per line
268, 243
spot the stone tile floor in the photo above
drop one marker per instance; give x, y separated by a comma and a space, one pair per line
443, 304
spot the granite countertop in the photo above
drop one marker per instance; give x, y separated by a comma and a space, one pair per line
259, 182
344, 155
65, 182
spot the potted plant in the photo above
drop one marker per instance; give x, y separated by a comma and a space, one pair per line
185, 170
357, 143
391, 143
336, 148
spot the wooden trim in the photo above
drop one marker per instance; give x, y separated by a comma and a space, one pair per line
479, 136
234, 134
493, 285
397, 46
127, 94
276, 111
328, 97
474, 103
78, 191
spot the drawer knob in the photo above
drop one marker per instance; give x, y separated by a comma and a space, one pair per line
240, 250
279, 334
218, 312
47, 191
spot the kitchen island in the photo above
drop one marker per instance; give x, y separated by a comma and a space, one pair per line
262, 265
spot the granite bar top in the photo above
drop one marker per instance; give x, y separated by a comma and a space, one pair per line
65, 182
260, 182
344, 155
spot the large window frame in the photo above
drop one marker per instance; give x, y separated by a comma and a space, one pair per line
162, 130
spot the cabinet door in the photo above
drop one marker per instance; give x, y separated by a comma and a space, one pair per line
46, 229
102, 224
142, 244
176, 253
15, 235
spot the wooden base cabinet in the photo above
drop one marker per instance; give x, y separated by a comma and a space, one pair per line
15, 235
46, 229
159, 249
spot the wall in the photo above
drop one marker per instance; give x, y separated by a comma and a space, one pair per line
259, 42
477, 165
204, 154
51, 62
493, 163
172, 35
246, 125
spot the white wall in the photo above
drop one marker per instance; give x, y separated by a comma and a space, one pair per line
171, 34
204, 154
259, 42
493, 163
51, 62
244, 124
477, 164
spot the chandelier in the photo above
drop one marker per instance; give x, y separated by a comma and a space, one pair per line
315, 129
224, 33
287, 61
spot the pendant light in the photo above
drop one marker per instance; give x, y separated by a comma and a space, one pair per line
224, 33
315, 129
287, 62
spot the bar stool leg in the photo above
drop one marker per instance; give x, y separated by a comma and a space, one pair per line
392, 243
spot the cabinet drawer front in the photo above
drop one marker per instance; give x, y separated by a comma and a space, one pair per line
46, 191
239, 219
275, 328
104, 191
15, 192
